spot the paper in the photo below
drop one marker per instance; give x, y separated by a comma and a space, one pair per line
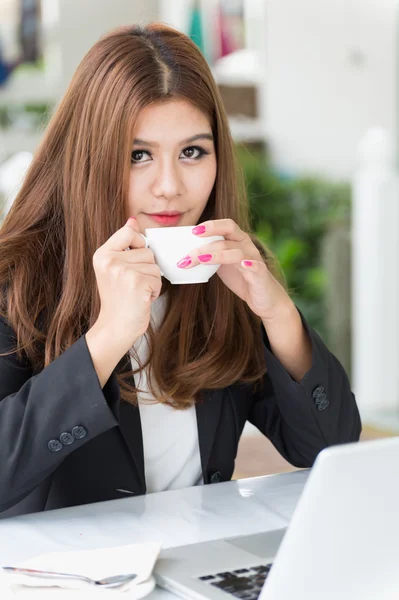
96, 564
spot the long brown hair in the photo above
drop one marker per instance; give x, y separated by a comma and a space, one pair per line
74, 198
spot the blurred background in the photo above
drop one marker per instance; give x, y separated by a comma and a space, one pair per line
311, 90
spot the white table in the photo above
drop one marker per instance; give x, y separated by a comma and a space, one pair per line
175, 518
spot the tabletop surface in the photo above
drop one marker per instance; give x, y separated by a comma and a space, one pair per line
174, 518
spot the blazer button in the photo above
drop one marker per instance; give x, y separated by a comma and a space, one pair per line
317, 391
54, 445
79, 432
66, 438
321, 398
215, 477
322, 404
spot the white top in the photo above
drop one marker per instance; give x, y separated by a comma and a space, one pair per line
170, 437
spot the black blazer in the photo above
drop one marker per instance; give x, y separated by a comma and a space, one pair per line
65, 441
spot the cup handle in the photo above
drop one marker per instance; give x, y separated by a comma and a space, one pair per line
146, 240
147, 245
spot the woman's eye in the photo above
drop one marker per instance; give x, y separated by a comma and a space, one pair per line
193, 152
138, 155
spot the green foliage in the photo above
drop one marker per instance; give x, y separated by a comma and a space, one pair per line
34, 116
292, 216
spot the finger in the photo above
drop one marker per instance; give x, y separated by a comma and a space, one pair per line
253, 267
226, 227
218, 246
154, 285
214, 247
139, 255
152, 270
128, 235
151, 285
222, 257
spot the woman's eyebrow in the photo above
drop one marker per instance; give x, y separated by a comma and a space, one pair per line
194, 138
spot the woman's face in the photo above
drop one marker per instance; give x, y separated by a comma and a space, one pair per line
173, 165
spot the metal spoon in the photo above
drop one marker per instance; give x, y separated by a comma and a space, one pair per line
114, 581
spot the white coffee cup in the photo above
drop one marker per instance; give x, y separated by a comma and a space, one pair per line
171, 244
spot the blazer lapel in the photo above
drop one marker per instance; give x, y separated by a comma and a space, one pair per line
208, 414
208, 411
130, 428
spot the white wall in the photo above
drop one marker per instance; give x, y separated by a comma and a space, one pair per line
330, 76
8, 34
176, 13
71, 27
83, 22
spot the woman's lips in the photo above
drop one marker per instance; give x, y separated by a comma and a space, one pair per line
165, 218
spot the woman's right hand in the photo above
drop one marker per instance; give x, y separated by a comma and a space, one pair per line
128, 282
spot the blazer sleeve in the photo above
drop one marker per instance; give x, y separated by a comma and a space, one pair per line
35, 409
302, 418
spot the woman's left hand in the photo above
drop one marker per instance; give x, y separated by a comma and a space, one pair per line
242, 268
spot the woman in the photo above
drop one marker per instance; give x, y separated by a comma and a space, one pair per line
142, 133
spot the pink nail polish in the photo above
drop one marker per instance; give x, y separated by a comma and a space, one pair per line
247, 263
199, 229
184, 262
205, 257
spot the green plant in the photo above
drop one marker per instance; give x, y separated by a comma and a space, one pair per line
38, 114
292, 216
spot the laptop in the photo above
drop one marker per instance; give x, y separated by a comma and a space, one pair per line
341, 544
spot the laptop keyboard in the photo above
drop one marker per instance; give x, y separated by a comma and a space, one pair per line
241, 583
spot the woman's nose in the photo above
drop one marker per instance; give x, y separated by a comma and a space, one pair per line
168, 182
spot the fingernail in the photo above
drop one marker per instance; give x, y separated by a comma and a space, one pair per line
130, 219
199, 229
184, 262
247, 263
204, 257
